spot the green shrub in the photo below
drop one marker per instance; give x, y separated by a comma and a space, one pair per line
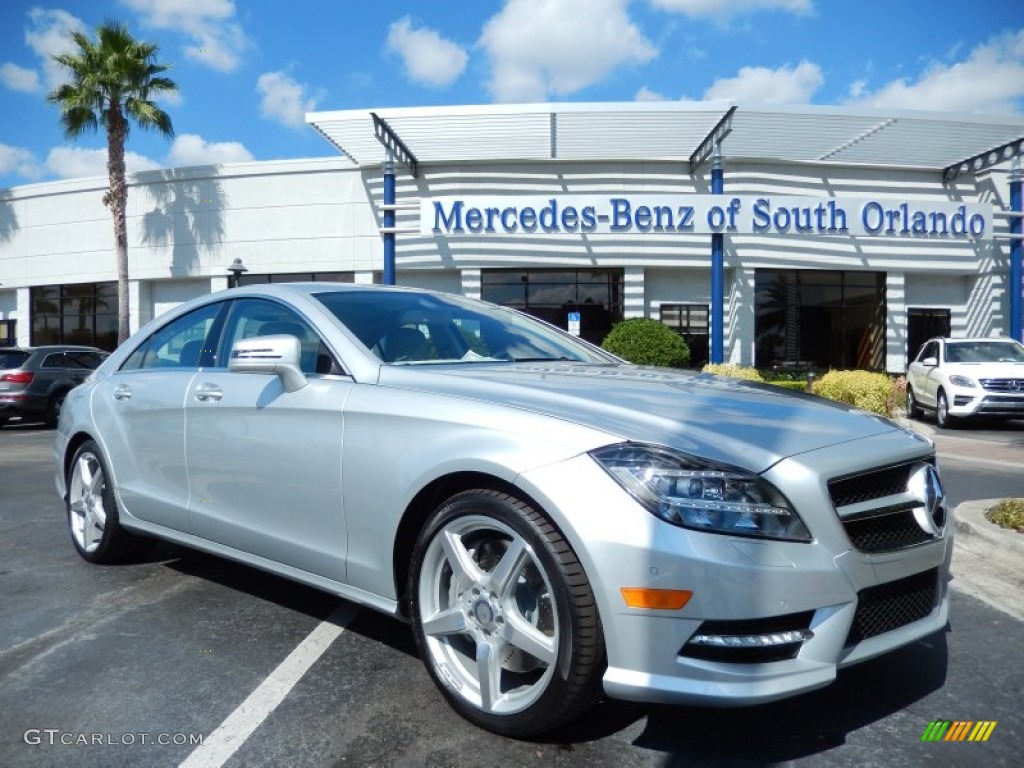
734, 371
796, 386
861, 389
1008, 513
647, 342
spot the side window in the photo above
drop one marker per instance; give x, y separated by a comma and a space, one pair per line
54, 360
181, 343
261, 317
88, 360
931, 349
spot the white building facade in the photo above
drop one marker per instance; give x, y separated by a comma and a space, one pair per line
801, 290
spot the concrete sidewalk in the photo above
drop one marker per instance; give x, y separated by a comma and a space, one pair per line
988, 561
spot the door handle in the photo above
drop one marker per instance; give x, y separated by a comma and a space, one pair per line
206, 392
122, 392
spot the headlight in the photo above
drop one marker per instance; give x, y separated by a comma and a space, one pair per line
700, 494
962, 381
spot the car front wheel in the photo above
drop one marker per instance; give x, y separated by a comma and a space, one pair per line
92, 510
942, 417
504, 617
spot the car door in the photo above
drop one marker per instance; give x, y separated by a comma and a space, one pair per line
265, 464
139, 410
921, 378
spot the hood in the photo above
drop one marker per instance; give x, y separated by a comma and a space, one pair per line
745, 424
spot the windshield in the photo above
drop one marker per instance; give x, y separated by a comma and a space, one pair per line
984, 352
410, 328
10, 358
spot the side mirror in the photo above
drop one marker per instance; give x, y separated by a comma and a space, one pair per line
278, 355
930, 362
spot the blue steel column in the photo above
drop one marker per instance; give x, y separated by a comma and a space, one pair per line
1016, 250
389, 220
717, 269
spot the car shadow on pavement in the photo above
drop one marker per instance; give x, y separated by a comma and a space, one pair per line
245, 579
781, 731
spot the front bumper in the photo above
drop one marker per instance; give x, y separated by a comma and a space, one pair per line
739, 580
965, 403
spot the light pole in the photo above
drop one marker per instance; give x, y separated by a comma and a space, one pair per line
236, 269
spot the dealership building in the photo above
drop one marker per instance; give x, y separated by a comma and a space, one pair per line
788, 236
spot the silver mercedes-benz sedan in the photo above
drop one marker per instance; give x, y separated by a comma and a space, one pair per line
551, 520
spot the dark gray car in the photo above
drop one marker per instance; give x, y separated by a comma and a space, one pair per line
35, 380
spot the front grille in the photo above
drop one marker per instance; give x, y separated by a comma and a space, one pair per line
867, 486
745, 627
895, 530
883, 520
886, 607
1003, 385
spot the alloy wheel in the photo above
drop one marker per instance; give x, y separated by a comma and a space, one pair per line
88, 515
489, 615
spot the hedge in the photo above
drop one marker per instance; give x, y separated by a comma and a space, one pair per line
861, 389
734, 371
644, 341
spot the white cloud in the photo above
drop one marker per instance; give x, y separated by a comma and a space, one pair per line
785, 85
19, 78
73, 162
284, 100
49, 34
192, 149
990, 80
646, 94
429, 59
727, 9
539, 48
218, 41
18, 160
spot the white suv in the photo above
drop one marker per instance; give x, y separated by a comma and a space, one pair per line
958, 378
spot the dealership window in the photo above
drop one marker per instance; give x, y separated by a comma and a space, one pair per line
8, 333
691, 322
551, 294
75, 314
924, 323
297, 277
820, 319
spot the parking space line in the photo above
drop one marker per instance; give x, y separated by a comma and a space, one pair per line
220, 745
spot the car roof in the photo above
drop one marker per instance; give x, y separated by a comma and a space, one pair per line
52, 348
974, 339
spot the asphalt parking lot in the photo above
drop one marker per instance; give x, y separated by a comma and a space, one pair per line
139, 660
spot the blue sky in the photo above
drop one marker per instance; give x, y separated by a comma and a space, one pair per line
249, 70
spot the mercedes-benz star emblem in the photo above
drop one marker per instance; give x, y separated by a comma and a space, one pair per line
926, 487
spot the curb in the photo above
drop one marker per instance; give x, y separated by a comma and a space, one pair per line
988, 561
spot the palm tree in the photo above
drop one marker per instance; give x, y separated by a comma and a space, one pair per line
113, 81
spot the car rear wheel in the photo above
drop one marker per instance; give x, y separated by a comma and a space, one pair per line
504, 617
54, 407
913, 409
92, 510
942, 417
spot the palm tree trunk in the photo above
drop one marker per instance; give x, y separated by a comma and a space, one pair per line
117, 198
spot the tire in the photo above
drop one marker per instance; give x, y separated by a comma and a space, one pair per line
54, 407
92, 511
503, 615
913, 409
942, 417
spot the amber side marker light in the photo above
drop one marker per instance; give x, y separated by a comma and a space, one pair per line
663, 599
